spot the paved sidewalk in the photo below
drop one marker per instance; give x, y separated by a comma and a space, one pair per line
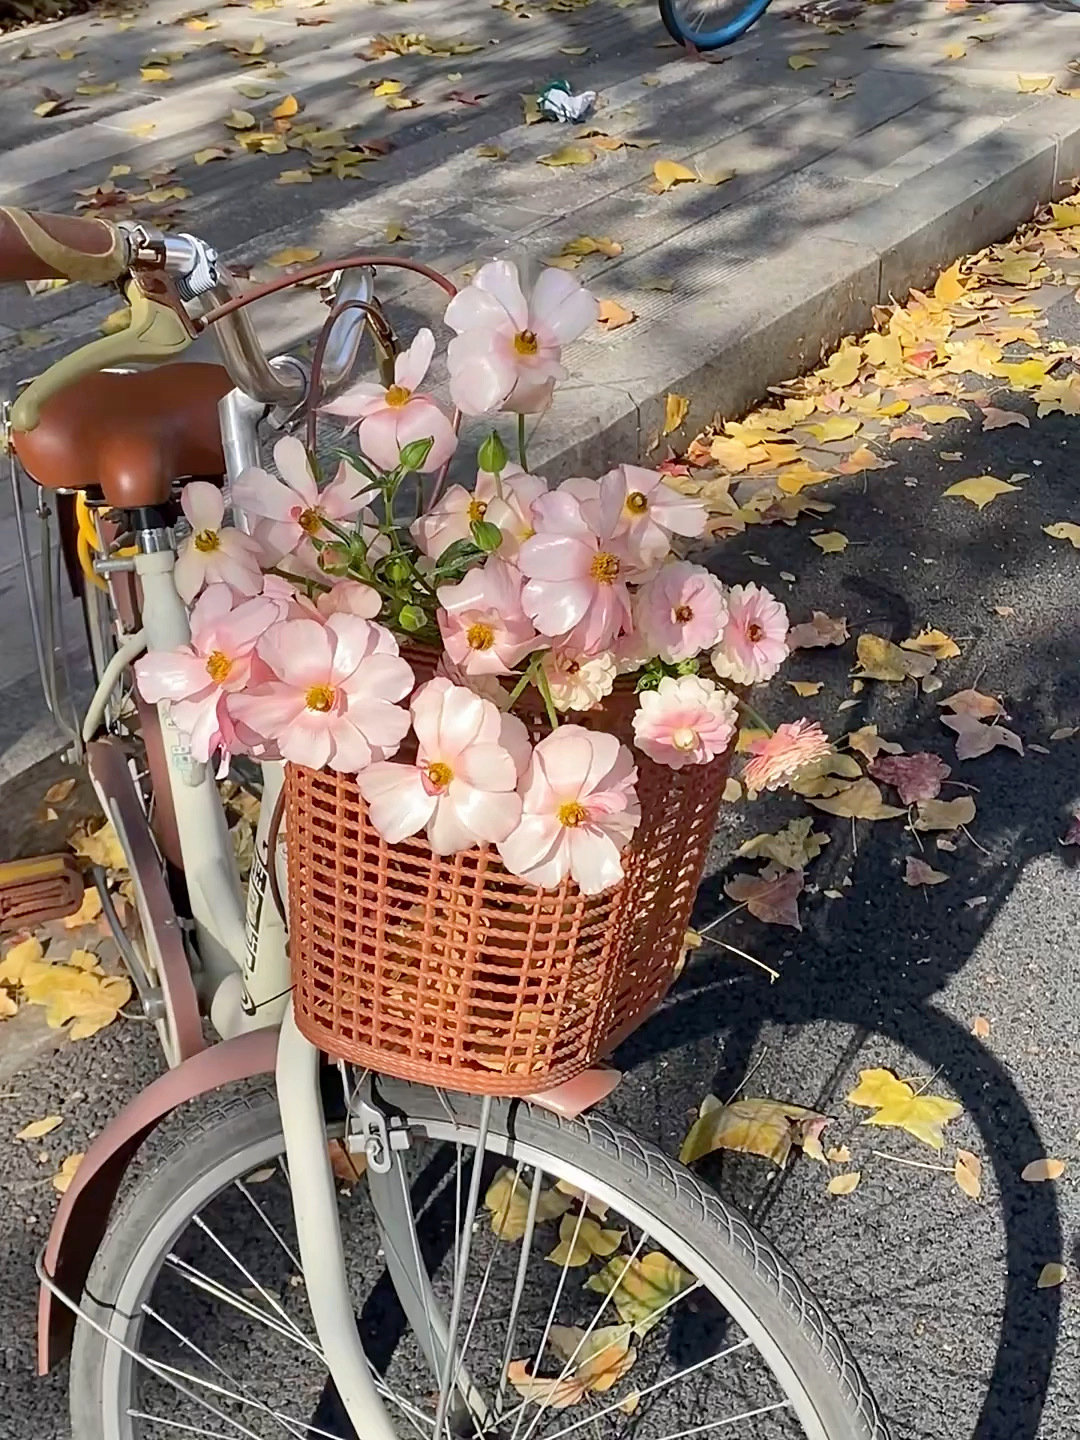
876, 161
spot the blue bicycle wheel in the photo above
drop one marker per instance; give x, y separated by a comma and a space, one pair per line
710, 24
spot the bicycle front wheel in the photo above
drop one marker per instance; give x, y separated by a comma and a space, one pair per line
605, 1291
710, 24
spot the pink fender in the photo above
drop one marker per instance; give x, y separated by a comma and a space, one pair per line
88, 1202
83, 1216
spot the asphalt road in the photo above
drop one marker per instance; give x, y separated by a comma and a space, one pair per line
936, 1292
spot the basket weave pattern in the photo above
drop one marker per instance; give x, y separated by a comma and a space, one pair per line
450, 971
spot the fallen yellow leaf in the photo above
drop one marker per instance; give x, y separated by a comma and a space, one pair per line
834, 427
797, 477
293, 255
940, 414
675, 412
641, 1288
286, 108
212, 152
897, 1105
844, 1184
948, 287
507, 1200
396, 230
980, 489
569, 155
843, 365
551, 1392
388, 87
87, 912
955, 51
600, 1357
1064, 530
769, 1128
155, 74
1038, 1170
1064, 216
880, 659
38, 1129
240, 120
294, 177
1051, 1275
945, 814
832, 542
806, 688
64, 1176
613, 316
859, 801
672, 172
491, 152
932, 642
967, 1172
800, 62
1029, 84
582, 1238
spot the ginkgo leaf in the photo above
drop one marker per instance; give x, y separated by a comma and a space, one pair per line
932, 642
1030, 84
671, 172
793, 479
155, 74
1064, 530
820, 630
940, 414
293, 177
507, 1199
550, 1392
611, 315
38, 1129
880, 659
211, 152
975, 737
869, 743
769, 1128
1037, 1171
582, 1238
1052, 1275
859, 801
844, 1184
805, 688
772, 898
945, 814
834, 427
995, 419
293, 255
491, 152
800, 62
89, 909
897, 1105
955, 50
569, 155
827, 776
285, 108
564, 1187
973, 702
918, 872
676, 408
793, 847
949, 287
843, 365
240, 120
980, 489
914, 777
863, 459
600, 1358
641, 1288
967, 1172
64, 1176
832, 542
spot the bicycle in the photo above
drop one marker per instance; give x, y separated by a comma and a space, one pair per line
484, 1216
710, 24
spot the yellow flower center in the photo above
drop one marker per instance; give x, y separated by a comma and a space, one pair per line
754, 633
310, 521
207, 540
605, 567
477, 509
439, 774
320, 697
218, 666
572, 813
683, 614
480, 636
398, 395
637, 503
684, 738
526, 343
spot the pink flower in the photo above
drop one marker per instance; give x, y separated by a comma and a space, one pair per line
780, 756
685, 721
576, 587
463, 787
349, 597
391, 417
579, 682
483, 626
290, 511
754, 643
198, 679
680, 611
505, 501
506, 354
330, 696
579, 810
212, 555
638, 507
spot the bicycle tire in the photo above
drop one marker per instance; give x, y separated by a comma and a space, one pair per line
673, 14
236, 1133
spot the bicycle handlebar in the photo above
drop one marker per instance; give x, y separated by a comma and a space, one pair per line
38, 246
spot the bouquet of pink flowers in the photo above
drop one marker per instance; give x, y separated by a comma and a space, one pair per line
296, 619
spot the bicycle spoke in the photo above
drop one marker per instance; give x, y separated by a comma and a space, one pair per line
292, 1255
177, 1425
519, 1285
727, 1420
195, 1277
270, 1298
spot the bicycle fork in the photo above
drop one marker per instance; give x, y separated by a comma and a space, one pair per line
322, 1253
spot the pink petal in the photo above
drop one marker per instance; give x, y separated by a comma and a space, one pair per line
350, 597
575, 760
383, 725
478, 383
556, 557
484, 814
447, 831
203, 505
377, 437
537, 851
397, 802
594, 859
359, 400
238, 632
269, 710
351, 751
561, 306
257, 492
189, 572
293, 465
171, 675
474, 308
239, 571
411, 365
299, 651
308, 740
486, 766
556, 608
421, 419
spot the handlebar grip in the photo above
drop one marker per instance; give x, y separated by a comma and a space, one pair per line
38, 246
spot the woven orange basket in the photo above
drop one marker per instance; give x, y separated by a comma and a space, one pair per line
453, 972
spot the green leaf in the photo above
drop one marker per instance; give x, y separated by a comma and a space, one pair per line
491, 455
412, 618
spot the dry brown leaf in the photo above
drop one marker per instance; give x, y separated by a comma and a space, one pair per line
838, 1154
980, 1027
995, 419
348, 1169
967, 1172
1038, 1170
860, 801
914, 777
844, 1184
880, 659
792, 848
770, 897
805, 688
38, 1129
820, 630
945, 814
870, 744
58, 793
973, 702
975, 737
551, 1392
918, 872
613, 316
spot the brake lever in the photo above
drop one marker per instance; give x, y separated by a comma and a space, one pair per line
156, 332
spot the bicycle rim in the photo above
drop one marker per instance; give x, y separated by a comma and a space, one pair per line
741, 1396
710, 24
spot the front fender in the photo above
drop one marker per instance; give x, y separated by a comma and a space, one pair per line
83, 1216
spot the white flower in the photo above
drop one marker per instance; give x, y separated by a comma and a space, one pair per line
579, 682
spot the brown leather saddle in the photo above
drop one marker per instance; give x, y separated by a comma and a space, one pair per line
129, 435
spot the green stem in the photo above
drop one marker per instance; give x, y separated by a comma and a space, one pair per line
528, 674
522, 460
549, 704
752, 715
302, 582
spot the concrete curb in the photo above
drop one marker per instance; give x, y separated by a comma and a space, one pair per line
769, 319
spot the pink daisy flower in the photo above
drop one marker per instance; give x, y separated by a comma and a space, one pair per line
290, 511
391, 417
507, 350
579, 811
576, 590
462, 790
754, 643
579, 682
483, 626
680, 611
638, 507
331, 692
777, 759
212, 554
199, 679
685, 721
